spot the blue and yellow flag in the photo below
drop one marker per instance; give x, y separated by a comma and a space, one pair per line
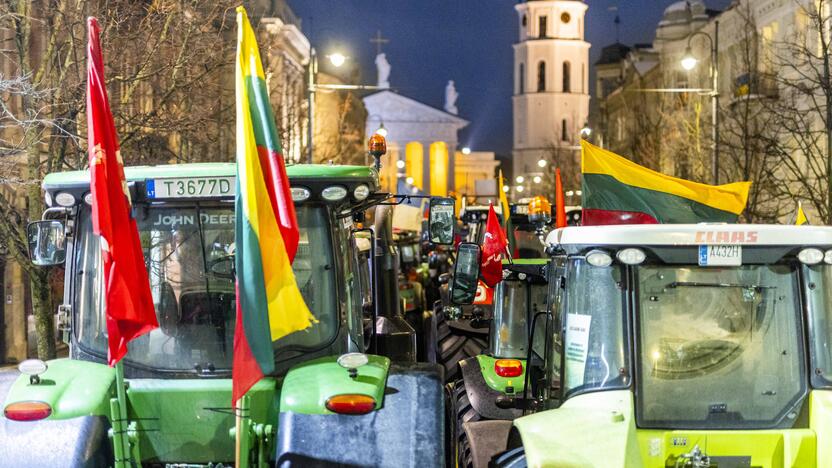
269, 302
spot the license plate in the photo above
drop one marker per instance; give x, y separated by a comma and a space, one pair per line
191, 187
720, 255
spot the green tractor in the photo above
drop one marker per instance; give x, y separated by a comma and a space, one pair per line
328, 401
686, 346
491, 381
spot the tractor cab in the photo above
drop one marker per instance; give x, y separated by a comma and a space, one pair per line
185, 217
179, 375
684, 345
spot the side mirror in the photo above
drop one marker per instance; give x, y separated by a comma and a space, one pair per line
441, 220
47, 242
466, 274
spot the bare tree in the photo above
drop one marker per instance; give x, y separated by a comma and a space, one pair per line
168, 77
803, 109
749, 127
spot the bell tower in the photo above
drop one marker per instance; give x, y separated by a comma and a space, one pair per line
550, 100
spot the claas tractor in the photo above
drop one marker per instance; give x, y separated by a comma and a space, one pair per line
691, 346
335, 396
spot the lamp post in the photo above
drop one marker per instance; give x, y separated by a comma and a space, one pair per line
689, 62
337, 60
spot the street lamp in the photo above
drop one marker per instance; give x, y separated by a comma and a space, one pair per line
381, 130
520, 179
466, 150
537, 179
689, 62
541, 163
337, 59
586, 131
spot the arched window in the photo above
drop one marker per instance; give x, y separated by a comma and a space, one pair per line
541, 26
521, 80
525, 21
541, 76
564, 135
567, 77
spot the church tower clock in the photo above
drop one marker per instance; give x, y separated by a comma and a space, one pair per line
551, 85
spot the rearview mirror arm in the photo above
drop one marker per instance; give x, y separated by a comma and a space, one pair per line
373, 285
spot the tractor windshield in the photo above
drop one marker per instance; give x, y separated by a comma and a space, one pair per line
819, 297
189, 255
719, 347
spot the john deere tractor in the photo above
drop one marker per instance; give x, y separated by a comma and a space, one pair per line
328, 402
682, 346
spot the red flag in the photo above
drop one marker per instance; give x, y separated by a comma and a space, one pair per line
128, 302
560, 204
493, 247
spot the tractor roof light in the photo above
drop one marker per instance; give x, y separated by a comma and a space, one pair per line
599, 258
27, 411
827, 257
810, 256
508, 367
300, 194
334, 193
361, 192
65, 199
351, 404
631, 256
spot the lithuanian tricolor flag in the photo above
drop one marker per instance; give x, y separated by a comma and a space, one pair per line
619, 191
269, 303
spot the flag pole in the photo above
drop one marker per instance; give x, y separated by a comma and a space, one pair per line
238, 429
120, 425
242, 436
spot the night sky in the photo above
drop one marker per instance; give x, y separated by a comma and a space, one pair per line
468, 41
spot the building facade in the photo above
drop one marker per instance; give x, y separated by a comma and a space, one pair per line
763, 56
551, 88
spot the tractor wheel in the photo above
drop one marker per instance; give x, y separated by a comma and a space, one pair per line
464, 413
454, 346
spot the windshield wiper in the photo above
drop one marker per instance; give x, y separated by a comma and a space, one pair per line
697, 284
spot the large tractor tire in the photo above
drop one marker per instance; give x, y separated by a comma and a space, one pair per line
464, 413
454, 345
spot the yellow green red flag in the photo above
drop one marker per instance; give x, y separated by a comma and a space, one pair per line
269, 303
619, 191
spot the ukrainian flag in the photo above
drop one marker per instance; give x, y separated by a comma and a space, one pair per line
269, 302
